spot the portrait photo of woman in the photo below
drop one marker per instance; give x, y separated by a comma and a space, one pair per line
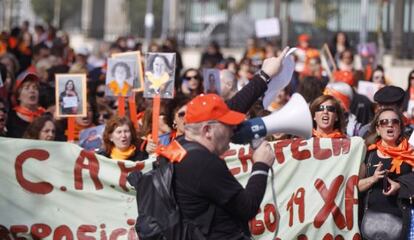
70, 94
159, 75
119, 78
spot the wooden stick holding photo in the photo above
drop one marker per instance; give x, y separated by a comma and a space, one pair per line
71, 129
133, 110
155, 117
121, 106
328, 62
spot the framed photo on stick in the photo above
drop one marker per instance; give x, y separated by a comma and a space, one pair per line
138, 78
211, 81
119, 77
71, 95
328, 62
159, 75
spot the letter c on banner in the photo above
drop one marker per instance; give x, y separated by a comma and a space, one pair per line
33, 187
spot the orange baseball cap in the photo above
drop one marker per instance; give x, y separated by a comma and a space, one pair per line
206, 107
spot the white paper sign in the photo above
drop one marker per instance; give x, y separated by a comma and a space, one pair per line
368, 89
69, 102
281, 80
267, 27
410, 108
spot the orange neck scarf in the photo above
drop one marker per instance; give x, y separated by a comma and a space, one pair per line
29, 114
122, 155
334, 134
399, 154
412, 93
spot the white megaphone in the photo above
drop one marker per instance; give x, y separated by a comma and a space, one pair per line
294, 118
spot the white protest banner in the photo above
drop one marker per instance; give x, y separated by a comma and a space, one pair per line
55, 190
368, 89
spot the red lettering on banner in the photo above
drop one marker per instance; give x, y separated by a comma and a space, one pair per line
61, 232
245, 157
132, 234
117, 233
278, 147
16, 229
350, 201
103, 232
328, 236
318, 152
231, 153
341, 146
257, 226
329, 195
40, 187
299, 155
126, 170
4, 233
40, 231
302, 237
87, 160
297, 198
270, 217
357, 236
83, 229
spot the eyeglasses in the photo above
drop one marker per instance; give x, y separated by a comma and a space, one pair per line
191, 77
322, 108
387, 122
100, 94
181, 114
105, 115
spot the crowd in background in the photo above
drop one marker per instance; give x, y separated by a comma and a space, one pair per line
30, 58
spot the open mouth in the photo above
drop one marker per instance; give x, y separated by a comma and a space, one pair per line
2, 120
325, 119
390, 132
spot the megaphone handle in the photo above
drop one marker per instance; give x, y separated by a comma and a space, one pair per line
255, 143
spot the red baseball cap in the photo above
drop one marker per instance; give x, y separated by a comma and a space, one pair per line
344, 76
207, 107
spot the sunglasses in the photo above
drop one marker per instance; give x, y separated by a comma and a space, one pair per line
322, 108
100, 94
181, 114
105, 115
387, 122
191, 77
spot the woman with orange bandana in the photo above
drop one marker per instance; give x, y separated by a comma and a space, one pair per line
389, 158
120, 140
328, 118
27, 105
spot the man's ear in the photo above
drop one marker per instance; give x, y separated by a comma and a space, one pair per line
207, 131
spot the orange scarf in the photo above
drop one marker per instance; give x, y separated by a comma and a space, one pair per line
399, 154
122, 155
30, 115
113, 85
412, 93
334, 134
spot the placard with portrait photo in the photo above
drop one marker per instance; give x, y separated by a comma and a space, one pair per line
138, 79
70, 95
159, 75
211, 80
91, 139
119, 77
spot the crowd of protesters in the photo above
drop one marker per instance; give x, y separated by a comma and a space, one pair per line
30, 59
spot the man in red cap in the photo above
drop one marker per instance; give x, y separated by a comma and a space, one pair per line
202, 179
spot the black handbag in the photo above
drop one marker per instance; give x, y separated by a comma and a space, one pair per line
379, 225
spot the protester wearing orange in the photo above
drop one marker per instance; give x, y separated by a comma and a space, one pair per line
388, 158
27, 105
328, 118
